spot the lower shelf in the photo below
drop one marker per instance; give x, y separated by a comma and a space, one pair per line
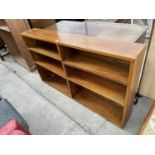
59, 84
108, 89
53, 67
100, 105
88, 98
54, 80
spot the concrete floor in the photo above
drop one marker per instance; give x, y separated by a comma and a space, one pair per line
48, 111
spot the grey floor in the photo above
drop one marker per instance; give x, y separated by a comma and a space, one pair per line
48, 111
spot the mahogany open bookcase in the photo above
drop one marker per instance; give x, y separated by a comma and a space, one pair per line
100, 74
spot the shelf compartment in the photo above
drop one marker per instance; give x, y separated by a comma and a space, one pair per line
45, 51
99, 105
108, 89
116, 70
54, 80
49, 64
44, 48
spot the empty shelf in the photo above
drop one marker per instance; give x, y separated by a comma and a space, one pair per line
51, 66
58, 83
47, 52
100, 105
54, 80
111, 70
110, 90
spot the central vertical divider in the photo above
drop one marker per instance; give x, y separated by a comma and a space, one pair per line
62, 56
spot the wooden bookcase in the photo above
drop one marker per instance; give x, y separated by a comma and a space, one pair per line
100, 74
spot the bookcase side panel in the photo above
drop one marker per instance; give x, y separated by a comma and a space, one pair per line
135, 68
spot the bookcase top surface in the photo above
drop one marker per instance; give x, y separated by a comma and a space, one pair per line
105, 30
117, 49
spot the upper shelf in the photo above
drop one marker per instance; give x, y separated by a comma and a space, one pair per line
53, 67
111, 70
45, 51
117, 49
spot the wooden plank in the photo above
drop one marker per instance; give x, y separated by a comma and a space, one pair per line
54, 80
3, 26
105, 88
59, 84
9, 41
134, 72
99, 105
45, 51
65, 71
56, 68
114, 71
41, 23
16, 27
112, 48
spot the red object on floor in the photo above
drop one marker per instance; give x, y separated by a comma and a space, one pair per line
13, 128
17, 132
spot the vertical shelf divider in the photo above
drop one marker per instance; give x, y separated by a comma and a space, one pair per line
62, 56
